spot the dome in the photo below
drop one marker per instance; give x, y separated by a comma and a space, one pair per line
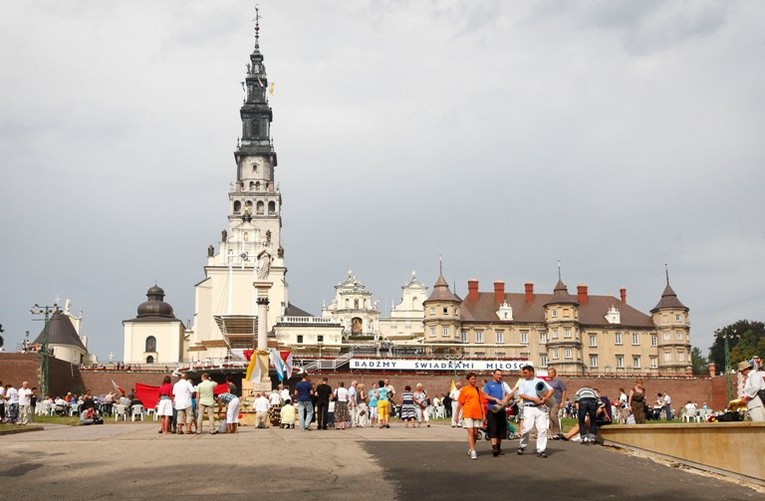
155, 306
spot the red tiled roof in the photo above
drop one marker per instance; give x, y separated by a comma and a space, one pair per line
593, 313
441, 291
669, 300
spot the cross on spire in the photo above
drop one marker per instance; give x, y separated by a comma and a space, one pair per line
257, 25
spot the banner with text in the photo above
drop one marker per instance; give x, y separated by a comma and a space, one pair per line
437, 365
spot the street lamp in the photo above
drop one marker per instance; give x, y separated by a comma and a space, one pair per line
46, 311
726, 347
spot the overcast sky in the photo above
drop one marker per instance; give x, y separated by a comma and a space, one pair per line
615, 136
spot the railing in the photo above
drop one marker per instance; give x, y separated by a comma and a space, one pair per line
305, 320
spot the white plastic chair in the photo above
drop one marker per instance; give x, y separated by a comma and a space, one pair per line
120, 410
74, 409
136, 412
689, 414
152, 412
43, 409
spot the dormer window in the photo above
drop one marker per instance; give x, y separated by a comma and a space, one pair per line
613, 316
505, 312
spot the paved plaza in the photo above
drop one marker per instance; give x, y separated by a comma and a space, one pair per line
132, 461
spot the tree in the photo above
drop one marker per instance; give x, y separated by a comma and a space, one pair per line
751, 331
699, 362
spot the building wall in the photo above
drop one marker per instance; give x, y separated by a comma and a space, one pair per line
19, 367
169, 336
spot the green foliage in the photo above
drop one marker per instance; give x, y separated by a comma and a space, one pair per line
749, 333
699, 362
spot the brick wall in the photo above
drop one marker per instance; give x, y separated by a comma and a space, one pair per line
19, 367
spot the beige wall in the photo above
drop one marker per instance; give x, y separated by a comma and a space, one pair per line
169, 336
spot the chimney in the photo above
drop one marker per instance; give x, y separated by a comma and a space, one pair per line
529, 292
581, 292
499, 291
712, 369
623, 293
473, 289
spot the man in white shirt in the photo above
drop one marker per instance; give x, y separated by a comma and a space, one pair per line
352, 403
667, 408
182, 392
284, 393
533, 393
12, 399
261, 405
25, 402
274, 400
454, 395
754, 383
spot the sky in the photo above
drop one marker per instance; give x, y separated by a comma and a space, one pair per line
503, 136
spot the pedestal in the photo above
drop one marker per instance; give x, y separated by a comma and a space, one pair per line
261, 350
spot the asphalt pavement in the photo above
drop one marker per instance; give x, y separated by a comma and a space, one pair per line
132, 461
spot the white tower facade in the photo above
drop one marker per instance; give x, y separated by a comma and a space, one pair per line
225, 318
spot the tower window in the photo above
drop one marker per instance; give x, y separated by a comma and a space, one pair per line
149, 359
272, 207
259, 207
151, 344
257, 186
237, 207
252, 185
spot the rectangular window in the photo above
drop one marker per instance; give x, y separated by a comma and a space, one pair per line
620, 361
593, 361
681, 356
635, 361
479, 336
432, 332
554, 333
567, 333
635, 339
432, 310
654, 362
446, 332
320, 338
446, 311
567, 353
667, 356
593, 341
554, 354
300, 339
524, 337
667, 335
618, 338
500, 354
480, 354
679, 335
554, 313
542, 337
500, 337
654, 340
543, 360
677, 317
463, 337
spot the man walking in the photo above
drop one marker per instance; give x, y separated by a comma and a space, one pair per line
206, 403
495, 392
559, 397
533, 392
323, 394
304, 394
182, 393
25, 402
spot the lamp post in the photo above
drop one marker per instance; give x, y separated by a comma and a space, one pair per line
46, 311
726, 348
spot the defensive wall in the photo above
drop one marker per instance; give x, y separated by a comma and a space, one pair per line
18, 367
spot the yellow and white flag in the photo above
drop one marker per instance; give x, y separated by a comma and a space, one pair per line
271, 88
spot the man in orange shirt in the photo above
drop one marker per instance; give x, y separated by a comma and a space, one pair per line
472, 403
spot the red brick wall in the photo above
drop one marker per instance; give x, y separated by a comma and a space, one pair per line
699, 390
19, 367
100, 382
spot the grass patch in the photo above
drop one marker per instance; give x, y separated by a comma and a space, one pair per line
65, 420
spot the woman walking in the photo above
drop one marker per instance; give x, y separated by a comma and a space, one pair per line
165, 404
408, 412
342, 416
637, 402
472, 404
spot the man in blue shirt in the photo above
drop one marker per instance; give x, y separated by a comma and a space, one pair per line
304, 394
495, 392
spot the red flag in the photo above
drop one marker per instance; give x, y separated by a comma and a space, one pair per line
221, 388
117, 387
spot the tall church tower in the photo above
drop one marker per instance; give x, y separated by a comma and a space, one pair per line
225, 318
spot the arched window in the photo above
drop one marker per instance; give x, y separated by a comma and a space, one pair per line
356, 304
237, 207
248, 205
259, 207
149, 359
151, 344
252, 185
347, 304
246, 237
272, 207
257, 186
414, 303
